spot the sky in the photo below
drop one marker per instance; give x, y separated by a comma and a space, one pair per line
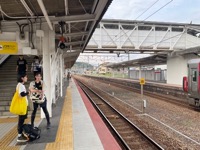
179, 11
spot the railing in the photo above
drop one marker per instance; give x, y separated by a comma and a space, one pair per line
55, 68
136, 37
3, 58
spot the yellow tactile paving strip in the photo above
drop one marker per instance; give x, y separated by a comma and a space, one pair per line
8, 138
8, 120
64, 137
11, 135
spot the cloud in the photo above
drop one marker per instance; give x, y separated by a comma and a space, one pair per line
183, 11
126, 9
175, 11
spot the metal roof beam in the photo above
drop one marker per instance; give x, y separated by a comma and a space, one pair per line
74, 43
69, 59
72, 34
44, 11
66, 7
55, 20
74, 18
191, 50
26, 7
69, 54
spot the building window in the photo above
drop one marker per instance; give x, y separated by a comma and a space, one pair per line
194, 76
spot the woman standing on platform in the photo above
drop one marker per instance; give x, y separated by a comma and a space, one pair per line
38, 98
22, 79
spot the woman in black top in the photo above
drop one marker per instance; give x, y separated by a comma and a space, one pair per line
38, 98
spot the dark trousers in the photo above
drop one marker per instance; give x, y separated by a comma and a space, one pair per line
21, 120
21, 73
44, 108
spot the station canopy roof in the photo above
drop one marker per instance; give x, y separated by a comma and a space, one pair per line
146, 61
76, 20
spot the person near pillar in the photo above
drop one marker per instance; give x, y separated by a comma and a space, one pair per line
36, 66
38, 98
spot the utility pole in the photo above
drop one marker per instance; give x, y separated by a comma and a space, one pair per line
128, 66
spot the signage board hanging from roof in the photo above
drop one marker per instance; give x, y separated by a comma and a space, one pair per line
8, 47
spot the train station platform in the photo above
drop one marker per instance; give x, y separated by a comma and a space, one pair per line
75, 125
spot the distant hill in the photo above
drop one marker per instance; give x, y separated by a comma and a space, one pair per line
83, 65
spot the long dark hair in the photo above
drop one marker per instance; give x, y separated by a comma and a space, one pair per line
19, 79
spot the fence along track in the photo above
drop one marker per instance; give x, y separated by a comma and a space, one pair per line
162, 97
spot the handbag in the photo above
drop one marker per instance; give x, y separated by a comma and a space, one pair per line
18, 105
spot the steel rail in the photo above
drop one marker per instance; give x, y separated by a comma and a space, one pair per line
128, 122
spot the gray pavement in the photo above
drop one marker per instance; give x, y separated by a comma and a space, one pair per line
49, 135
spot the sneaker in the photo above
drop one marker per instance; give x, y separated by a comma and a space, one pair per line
48, 125
22, 138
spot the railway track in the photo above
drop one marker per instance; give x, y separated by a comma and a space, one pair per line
128, 135
153, 95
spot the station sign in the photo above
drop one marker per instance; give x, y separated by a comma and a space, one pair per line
8, 47
142, 81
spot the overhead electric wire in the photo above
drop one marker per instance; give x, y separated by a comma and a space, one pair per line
165, 39
146, 18
158, 10
146, 9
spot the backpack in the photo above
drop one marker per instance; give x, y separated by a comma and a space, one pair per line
32, 133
